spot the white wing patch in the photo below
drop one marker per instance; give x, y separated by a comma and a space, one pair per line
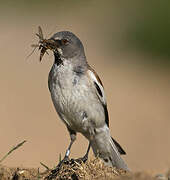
99, 88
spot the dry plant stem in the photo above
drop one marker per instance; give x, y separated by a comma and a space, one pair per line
59, 157
13, 149
38, 174
45, 166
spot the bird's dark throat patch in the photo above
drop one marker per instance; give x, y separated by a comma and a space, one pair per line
57, 59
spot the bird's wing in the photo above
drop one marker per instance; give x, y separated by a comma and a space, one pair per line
101, 95
94, 78
96, 82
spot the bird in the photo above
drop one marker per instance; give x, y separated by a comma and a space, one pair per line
79, 99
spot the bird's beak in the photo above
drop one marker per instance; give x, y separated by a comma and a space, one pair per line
46, 44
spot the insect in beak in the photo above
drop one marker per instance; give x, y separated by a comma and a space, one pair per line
42, 52
44, 44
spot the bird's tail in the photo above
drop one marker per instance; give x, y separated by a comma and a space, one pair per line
104, 147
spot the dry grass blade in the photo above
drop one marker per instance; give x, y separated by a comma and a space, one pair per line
13, 149
60, 157
38, 174
46, 167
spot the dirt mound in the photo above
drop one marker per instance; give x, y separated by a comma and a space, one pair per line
92, 169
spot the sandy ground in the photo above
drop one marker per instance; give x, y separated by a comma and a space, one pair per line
137, 93
94, 169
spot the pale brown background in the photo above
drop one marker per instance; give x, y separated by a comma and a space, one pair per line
137, 83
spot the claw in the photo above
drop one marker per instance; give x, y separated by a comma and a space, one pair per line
82, 159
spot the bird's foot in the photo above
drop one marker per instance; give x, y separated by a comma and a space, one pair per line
64, 161
82, 159
54, 172
68, 162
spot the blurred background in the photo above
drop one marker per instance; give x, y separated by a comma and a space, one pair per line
127, 42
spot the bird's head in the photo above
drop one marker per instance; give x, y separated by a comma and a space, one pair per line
64, 44
67, 45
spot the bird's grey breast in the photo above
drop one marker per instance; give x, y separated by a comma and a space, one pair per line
61, 83
65, 85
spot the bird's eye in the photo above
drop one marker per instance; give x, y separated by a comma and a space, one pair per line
64, 41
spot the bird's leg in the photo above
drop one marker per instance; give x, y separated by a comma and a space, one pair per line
73, 138
85, 157
55, 171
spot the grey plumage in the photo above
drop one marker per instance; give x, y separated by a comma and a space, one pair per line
78, 97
